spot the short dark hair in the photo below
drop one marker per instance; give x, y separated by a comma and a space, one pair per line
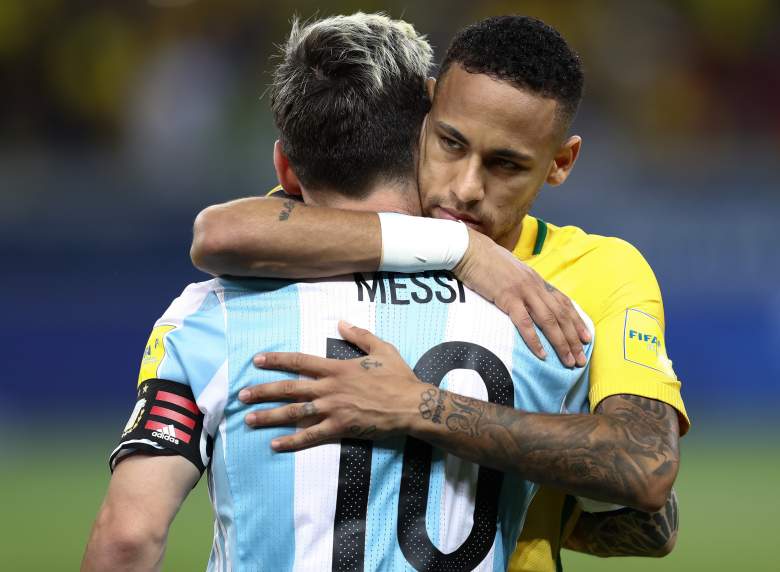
349, 99
525, 52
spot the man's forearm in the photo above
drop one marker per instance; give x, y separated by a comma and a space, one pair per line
627, 454
627, 532
283, 238
131, 528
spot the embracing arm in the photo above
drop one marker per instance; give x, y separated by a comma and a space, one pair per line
627, 532
131, 529
625, 453
283, 238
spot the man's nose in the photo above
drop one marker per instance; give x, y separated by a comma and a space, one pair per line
469, 187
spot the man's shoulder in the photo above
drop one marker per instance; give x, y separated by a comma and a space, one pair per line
588, 251
191, 300
577, 239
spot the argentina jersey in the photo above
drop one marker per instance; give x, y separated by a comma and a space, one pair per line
388, 505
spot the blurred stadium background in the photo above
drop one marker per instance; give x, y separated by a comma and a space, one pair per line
120, 121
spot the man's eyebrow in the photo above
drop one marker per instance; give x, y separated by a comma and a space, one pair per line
452, 132
511, 154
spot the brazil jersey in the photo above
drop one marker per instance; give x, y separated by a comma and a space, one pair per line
615, 286
393, 504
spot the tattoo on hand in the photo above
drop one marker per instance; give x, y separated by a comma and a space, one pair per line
366, 363
549, 287
287, 209
362, 433
308, 409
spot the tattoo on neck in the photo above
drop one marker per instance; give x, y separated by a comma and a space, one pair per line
287, 209
367, 363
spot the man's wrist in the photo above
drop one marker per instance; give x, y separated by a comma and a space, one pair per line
427, 412
415, 244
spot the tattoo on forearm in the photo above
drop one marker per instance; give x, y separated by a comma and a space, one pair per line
362, 432
367, 363
431, 405
609, 456
627, 532
287, 209
465, 414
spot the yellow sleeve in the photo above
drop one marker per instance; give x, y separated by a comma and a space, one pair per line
630, 355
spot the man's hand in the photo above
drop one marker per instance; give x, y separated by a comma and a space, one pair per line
494, 273
370, 397
626, 454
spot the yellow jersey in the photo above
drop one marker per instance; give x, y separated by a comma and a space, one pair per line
615, 286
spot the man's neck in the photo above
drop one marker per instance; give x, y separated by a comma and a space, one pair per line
386, 196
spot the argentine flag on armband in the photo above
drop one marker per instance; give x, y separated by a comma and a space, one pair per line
390, 505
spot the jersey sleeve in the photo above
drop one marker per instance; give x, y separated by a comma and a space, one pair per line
630, 353
181, 383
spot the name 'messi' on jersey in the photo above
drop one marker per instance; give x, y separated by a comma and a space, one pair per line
422, 288
395, 504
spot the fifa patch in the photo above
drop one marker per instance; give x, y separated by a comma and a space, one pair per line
153, 353
643, 342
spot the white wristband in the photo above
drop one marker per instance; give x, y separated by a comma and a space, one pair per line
415, 244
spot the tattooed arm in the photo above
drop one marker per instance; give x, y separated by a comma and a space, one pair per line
625, 453
627, 532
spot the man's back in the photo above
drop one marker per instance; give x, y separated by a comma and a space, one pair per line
393, 504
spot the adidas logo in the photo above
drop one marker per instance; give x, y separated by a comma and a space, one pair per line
167, 433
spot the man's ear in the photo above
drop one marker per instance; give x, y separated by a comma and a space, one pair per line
284, 171
564, 160
430, 86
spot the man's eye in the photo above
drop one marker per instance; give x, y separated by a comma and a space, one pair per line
451, 144
508, 166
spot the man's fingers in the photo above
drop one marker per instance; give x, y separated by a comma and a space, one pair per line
525, 325
314, 435
287, 390
566, 321
583, 333
547, 321
305, 364
283, 415
363, 339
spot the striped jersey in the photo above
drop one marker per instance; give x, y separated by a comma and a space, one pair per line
386, 505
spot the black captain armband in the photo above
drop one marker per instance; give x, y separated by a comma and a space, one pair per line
165, 421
